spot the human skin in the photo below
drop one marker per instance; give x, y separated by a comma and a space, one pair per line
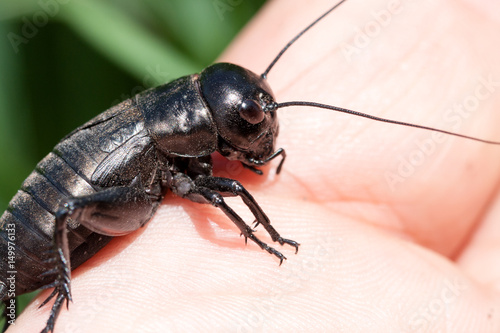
399, 229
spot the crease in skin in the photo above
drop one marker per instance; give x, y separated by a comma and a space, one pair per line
375, 214
476, 227
364, 212
356, 208
487, 9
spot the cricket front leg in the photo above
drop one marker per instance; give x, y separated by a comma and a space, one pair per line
211, 190
231, 187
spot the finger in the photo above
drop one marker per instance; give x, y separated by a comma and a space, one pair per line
347, 275
429, 187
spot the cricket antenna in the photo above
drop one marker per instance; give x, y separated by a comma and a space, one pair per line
264, 75
275, 105
364, 115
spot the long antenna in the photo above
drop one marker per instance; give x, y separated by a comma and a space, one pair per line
364, 115
264, 75
343, 110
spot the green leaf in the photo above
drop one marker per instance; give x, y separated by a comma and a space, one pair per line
121, 38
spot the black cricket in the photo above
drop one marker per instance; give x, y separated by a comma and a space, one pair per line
108, 177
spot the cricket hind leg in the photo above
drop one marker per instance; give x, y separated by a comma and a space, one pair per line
114, 211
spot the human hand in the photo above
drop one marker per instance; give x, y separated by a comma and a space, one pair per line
398, 227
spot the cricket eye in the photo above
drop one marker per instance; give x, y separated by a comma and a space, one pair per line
251, 111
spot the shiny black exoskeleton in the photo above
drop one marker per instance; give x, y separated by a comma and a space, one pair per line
108, 177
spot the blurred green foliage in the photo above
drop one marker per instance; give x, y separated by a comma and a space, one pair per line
64, 61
